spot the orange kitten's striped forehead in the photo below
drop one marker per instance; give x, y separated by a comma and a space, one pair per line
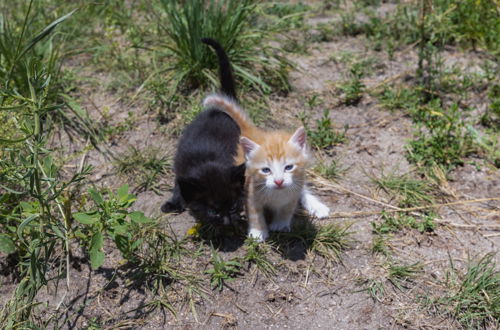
278, 159
276, 149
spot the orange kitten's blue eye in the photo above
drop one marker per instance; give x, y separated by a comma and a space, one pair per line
266, 170
288, 167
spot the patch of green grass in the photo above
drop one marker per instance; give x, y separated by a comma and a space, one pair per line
408, 192
286, 16
441, 139
324, 32
297, 44
144, 168
491, 118
392, 223
402, 275
360, 63
353, 88
323, 136
331, 170
349, 25
454, 80
468, 23
330, 240
379, 243
367, 3
473, 298
256, 253
374, 288
222, 271
399, 98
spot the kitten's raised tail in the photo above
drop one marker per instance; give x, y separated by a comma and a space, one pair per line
230, 107
226, 76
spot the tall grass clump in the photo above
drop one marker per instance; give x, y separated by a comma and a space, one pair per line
473, 298
255, 64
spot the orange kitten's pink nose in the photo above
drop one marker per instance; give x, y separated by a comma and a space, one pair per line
278, 182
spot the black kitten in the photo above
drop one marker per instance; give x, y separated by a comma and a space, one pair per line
207, 181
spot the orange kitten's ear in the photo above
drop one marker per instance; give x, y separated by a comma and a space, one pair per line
299, 138
248, 145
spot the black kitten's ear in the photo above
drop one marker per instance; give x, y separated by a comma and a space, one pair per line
238, 173
188, 188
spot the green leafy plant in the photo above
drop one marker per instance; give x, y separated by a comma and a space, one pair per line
403, 98
222, 271
323, 136
110, 217
392, 223
353, 88
442, 138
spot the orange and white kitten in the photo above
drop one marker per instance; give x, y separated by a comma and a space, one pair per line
276, 162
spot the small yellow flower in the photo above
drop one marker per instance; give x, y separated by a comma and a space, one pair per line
193, 231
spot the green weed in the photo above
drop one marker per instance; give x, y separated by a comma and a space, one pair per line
392, 223
441, 138
110, 217
222, 271
323, 136
491, 118
348, 25
353, 88
399, 98
467, 23
285, 16
31, 45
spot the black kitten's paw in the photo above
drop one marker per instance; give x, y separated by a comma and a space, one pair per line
172, 207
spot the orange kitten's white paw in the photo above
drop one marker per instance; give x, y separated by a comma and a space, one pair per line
313, 205
259, 235
319, 210
283, 226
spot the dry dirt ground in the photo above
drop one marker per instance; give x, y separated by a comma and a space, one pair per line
307, 291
